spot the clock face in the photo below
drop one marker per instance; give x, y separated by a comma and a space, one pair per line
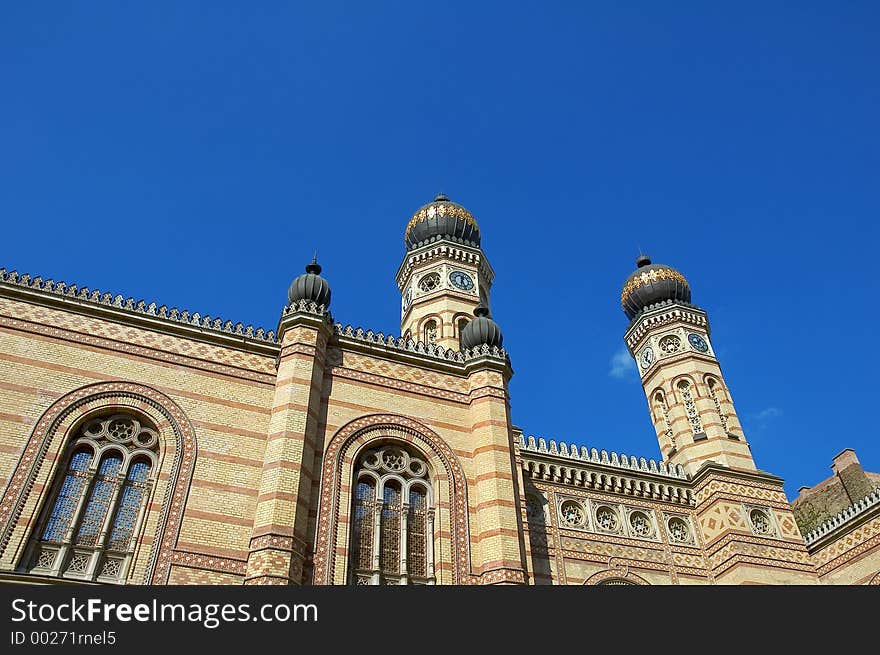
698, 342
647, 357
407, 297
461, 280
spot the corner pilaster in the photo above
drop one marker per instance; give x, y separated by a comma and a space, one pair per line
498, 554
278, 545
749, 531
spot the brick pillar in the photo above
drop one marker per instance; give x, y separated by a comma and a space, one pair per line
740, 550
278, 545
497, 551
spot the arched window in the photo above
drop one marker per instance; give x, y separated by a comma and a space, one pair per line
662, 410
431, 331
690, 407
713, 386
89, 529
462, 324
392, 538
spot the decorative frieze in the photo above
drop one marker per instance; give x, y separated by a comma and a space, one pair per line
74, 294
582, 454
384, 343
843, 517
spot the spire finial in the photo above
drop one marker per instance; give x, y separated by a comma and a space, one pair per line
643, 260
314, 268
481, 310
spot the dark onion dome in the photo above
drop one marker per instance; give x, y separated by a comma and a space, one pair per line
651, 284
439, 219
310, 286
481, 330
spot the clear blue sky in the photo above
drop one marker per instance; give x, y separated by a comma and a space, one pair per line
196, 155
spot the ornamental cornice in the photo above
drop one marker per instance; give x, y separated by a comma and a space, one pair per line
408, 351
621, 475
663, 314
138, 313
447, 250
713, 471
845, 520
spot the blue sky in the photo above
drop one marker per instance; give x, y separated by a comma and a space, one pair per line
198, 155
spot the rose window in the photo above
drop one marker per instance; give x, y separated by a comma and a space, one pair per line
429, 282
679, 530
606, 519
572, 513
640, 524
670, 344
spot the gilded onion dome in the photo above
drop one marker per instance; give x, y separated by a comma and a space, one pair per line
310, 286
441, 219
650, 284
481, 330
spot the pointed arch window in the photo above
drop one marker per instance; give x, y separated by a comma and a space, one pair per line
89, 529
392, 519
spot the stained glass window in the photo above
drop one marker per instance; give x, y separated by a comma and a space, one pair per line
69, 495
416, 538
129, 505
400, 480
71, 541
99, 500
364, 507
390, 526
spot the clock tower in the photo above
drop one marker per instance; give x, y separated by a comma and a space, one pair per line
689, 401
444, 276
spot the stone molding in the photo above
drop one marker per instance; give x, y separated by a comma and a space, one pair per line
844, 518
94, 397
136, 312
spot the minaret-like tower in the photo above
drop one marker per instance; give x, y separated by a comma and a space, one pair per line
445, 274
689, 401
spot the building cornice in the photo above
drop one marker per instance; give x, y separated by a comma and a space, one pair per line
712, 469
609, 473
418, 353
664, 314
137, 313
844, 521
446, 250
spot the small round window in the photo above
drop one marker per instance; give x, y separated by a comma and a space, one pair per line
640, 524
429, 282
679, 531
572, 513
606, 519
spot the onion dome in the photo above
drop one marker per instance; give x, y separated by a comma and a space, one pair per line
310, 286
650, 284
481, 330
441, 219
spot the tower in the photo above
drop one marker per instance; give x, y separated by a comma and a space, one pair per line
445, 274
689, 402
748, 530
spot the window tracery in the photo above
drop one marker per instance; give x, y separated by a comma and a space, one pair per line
690, 407
392, 519
98, 501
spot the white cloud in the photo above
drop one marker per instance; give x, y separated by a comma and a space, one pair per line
768, 413
622, 365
